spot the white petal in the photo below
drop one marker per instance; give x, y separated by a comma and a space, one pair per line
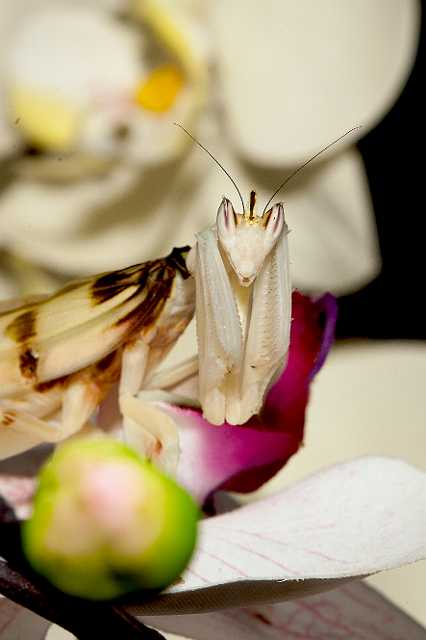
7, 288
75, 229
8, 612
375, 392
297, 74
31, 210
9, 139
354, 612
17, 623
101, 224
19, 492
67, 62
333, 244
349, 521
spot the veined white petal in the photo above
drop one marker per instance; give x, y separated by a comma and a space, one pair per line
354, 611
306, 539
374, 391
297, 74
19, 623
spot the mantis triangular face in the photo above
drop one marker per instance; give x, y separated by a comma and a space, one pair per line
243, 310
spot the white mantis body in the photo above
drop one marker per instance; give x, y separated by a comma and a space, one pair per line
243, 309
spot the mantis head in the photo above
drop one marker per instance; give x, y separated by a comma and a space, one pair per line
246, 238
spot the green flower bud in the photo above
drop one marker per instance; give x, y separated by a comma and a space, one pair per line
106, 522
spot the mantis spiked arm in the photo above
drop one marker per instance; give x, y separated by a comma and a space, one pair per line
60, 354
243, 309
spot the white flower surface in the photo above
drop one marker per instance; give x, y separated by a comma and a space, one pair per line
307, 540
278, 81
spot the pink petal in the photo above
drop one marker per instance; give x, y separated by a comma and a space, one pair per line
347, 522
312, 334
18, 491
352, 612
212, 455
242, 458
17, 623
8, 612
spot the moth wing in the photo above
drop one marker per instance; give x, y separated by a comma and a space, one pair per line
268, 337
218, 326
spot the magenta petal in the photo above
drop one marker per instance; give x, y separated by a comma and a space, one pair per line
242, 458
312, 334
211, 456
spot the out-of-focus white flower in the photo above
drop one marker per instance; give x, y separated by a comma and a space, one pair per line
78, 80
290, 78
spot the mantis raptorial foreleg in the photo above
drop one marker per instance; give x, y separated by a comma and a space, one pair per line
174, 376
79, 401
153, 438
133, 367
243, 310
152, 434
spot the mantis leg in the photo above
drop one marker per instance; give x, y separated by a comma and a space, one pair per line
174, 376
20, 430
154, 437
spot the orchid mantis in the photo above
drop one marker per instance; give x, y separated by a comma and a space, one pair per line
64, 352
243, 303
243, 309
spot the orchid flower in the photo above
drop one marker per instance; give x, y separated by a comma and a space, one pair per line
342, 524
276, 109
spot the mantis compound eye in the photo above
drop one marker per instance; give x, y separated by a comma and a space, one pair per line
226, 221
274, 223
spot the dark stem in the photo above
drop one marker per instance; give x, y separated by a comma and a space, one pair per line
86, 620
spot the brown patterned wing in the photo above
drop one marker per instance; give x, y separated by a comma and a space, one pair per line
81, 323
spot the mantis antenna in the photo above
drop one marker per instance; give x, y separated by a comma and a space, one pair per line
214, 159
302, 166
